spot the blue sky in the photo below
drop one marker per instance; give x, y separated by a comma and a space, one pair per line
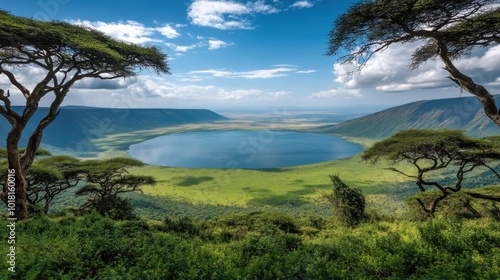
255, 53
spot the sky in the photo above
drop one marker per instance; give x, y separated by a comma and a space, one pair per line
245, 54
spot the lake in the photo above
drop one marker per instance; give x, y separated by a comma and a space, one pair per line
242, 149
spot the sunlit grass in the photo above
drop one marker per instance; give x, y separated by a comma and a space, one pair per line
277, 186
294, 186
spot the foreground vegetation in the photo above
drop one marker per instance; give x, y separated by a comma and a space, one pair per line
293, 236
254, 246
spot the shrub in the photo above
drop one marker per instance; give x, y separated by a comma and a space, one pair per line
348, 204
182, 225
117, 208
262, 222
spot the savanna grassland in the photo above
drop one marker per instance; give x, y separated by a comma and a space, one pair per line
200, 223
293, 186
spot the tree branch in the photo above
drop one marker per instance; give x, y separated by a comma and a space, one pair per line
14, 82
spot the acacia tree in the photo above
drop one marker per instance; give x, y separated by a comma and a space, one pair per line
48, 177
65, 54
429, 151
106, 180
450, 29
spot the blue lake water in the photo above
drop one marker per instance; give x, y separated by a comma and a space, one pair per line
242, 149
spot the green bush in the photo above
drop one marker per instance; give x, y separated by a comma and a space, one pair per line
182, 225
115, 207
348, 204
262, 222
96, 247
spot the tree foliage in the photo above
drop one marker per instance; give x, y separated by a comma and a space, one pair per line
48, 177
429, 151
448, 30
106, 179
64, 54
348, 204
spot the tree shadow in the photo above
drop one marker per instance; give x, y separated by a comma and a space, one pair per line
192, 180
278, 200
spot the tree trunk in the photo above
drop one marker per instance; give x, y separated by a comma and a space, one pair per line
465, 82
14, 159
22, 163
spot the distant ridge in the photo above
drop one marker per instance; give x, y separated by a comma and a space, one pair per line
77, 126
464, 113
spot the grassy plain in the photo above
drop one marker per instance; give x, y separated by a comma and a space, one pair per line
293, 186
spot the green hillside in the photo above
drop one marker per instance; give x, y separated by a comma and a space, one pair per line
76, 127
455, 113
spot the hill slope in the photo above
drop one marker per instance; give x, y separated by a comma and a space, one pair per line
76, 127
456, 113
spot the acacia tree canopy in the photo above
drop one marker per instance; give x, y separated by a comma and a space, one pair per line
432, 150
50, 176
449, 29
65, 54
107, 179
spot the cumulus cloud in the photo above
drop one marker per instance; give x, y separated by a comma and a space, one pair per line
262, 8
139, 91
214, 44
29, 76
180, 48
131, 31
153, 87
389, 70
487, 60
168, 31
302, 4
96, 84
225, 15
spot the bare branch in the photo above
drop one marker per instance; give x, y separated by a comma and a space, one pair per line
14, 81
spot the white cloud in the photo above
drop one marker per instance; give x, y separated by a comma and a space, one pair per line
256, 94
168, 31
280, 70
154, 87
181, 49
488, 60
130, 31
302, 4
254, 74
389, 70
141, 91
225, 15
98, 84
214, 44
213, 14
306, 71
340, 92
262, 7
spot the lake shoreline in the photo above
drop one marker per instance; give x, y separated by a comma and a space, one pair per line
247, 149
